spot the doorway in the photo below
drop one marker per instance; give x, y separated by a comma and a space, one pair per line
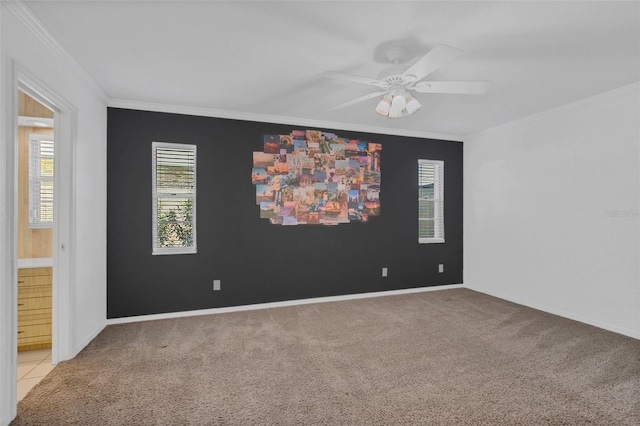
35, 228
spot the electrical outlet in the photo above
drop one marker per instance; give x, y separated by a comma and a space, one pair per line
216, 285
384, 272
440, 268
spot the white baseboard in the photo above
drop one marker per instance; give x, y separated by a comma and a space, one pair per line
559, 312
4, 421
89, 338
278, 304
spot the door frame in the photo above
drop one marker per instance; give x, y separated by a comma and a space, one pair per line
63, 246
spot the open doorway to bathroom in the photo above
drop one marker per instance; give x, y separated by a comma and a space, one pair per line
35, 208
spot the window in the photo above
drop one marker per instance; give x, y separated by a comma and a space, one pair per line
430, 201
40, 181
174, 198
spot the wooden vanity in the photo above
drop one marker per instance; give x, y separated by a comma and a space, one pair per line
34, 308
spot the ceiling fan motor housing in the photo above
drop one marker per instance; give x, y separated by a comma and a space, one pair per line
393, 76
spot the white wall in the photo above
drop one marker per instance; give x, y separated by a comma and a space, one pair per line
536, 198
40, 57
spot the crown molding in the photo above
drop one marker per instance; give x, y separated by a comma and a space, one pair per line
276, 119
24, 14
29, 20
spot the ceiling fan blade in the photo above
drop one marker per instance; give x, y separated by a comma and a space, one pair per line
434, 59
453, 87
353, 78
360, 99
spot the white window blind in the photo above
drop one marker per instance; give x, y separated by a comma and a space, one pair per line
174, 198
430, 201
41, 163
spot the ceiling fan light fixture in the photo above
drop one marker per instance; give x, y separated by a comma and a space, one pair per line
384, 106
397, 105
412, 104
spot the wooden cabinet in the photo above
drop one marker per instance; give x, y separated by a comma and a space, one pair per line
34, 308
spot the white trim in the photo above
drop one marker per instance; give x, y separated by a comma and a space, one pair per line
282, 304
276, 119
36, 142
81, 345
35, 262
64, 245
29, 20
173, 251
430, 240
553, 111
155, 250
8, 244
438, 200
559, 312
29, 122
63, 303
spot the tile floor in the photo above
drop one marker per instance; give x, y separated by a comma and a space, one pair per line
33, 366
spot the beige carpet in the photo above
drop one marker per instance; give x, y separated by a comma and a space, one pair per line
444, 357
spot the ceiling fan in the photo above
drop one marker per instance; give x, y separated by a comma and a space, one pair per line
395, 84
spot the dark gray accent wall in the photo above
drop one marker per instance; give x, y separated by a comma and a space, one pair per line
256, 261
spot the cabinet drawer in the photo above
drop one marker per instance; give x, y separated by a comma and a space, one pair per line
34, 277
33, 293
33, 343
30, 334
37, 280
34, 317
29, 272
28, 303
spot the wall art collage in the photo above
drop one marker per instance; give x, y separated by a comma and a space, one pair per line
310, 177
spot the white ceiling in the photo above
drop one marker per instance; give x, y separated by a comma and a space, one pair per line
266, 57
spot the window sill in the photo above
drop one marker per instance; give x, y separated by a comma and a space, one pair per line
163, 252
430, 240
